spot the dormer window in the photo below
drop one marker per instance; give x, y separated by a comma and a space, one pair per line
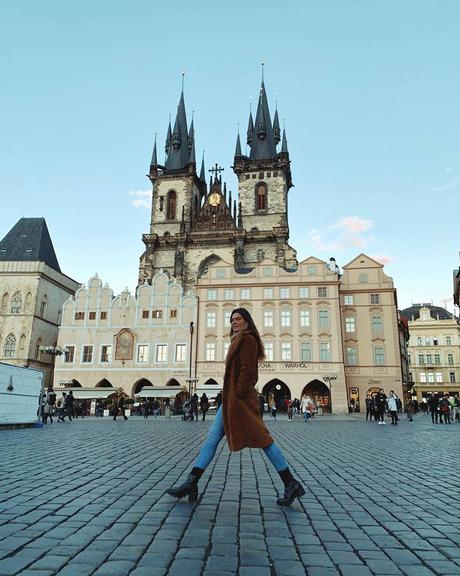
261, 196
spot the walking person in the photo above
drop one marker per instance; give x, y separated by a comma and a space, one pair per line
369, 407
68, 405
204, 405
381, 404
304, 407
145, 408
62, 407
392, 402
239, 416
120, 406
433, 404
261, 405
194, 407
49, 406
444, 409
410, 406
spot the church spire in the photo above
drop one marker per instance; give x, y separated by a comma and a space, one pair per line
154, 161
238, 146
284, 147
179, 149
263, 146
276, 128
202, 171
250, 129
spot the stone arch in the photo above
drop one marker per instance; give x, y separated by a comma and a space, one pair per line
172, 382
104, 383
261, 196
205, 263
76, 384
140, 384
211, 382
277, 390
320, 394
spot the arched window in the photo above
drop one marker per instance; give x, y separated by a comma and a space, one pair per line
5, 303
261, 196
28, 302
37, 349
171, 208
10, 347
43, 306
16, 303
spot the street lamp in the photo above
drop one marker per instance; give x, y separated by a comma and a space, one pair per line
52, 352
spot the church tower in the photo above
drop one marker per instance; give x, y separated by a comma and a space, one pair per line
264, 180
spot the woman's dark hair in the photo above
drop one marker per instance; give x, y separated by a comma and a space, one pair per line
252, 327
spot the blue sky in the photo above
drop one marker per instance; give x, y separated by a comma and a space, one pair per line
368, 90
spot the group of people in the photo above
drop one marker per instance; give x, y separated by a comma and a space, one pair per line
444, 408
65, 407
198, 404
379, 404
305, 407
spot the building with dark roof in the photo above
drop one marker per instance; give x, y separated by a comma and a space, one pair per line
32, 291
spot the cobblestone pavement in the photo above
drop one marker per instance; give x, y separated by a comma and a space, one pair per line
88, 497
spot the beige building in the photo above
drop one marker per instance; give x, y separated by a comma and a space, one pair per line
434, 349
329, 336
135, 342
32, 291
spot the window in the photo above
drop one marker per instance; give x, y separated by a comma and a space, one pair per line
211, 317
261, 196
419, 341
220, 273
103, 315
325, 352
245, 293
379, 356
266, 270
43, 306
229, 294
286, 351
227, 314
268, 318
9, 350
106, 353
377, 324
375, 298
285, 318
350, 324
322, 291
352, 356
5, 303
421, 359
452, 377
92, 315
304, 292
69, 354
16, 303
157, 313
348, 300
323, 318
305, 351
143, 353
430, 377
312, 269
210, 351
181, 353
439, 377
450, 359
437, 359
79, 315
173, 313
87, 354
285, 292
269, 351
212, 294
171, 205
422, 377
268, 292
162, 353
304, 318
429, 359
448, 341
145, 313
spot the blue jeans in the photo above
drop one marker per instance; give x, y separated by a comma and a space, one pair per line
215, 435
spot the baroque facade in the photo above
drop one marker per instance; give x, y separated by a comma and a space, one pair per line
32, 291
434, 350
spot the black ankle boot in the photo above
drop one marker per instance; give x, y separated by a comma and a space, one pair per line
293, 489
189, 487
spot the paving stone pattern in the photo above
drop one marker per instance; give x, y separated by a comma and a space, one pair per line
88, 498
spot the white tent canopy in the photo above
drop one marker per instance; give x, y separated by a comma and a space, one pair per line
152, 392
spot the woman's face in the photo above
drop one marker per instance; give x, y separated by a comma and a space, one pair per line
238, 322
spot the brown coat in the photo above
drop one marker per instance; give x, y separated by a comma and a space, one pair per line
244, 426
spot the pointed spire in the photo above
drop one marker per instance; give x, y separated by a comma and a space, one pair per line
154, 161
181, 140
284, 147
276, 128
191, 135
168, 138
202, 171
230, 200
176, 135
192, 153
250, 129
234, 209
240, 215
263, 147
238, 146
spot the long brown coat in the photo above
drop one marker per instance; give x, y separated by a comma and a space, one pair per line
244, 427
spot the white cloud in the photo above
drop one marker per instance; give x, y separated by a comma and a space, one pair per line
337, 237
140, 198
383, 259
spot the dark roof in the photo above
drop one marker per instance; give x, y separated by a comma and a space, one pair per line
263, 146
436, 312
29, 241
179, 143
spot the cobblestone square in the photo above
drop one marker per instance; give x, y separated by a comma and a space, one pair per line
88, 498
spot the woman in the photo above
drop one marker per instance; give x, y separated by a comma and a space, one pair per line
239, 418
204, 405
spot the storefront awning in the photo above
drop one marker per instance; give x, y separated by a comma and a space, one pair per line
89, 393
211, 391
166, 392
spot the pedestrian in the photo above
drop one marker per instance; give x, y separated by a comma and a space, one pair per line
239, 416
381, 405
69, 400
392, 403
290, 410
454, 405
145, 408
167, 408
49, 406
62, 407
312, 408
219, 400
261, 405
156, 407
273, 407
433, 404
204, 405
444, 409
194, 407
410, 407
120, 406
369, 407
304, 407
